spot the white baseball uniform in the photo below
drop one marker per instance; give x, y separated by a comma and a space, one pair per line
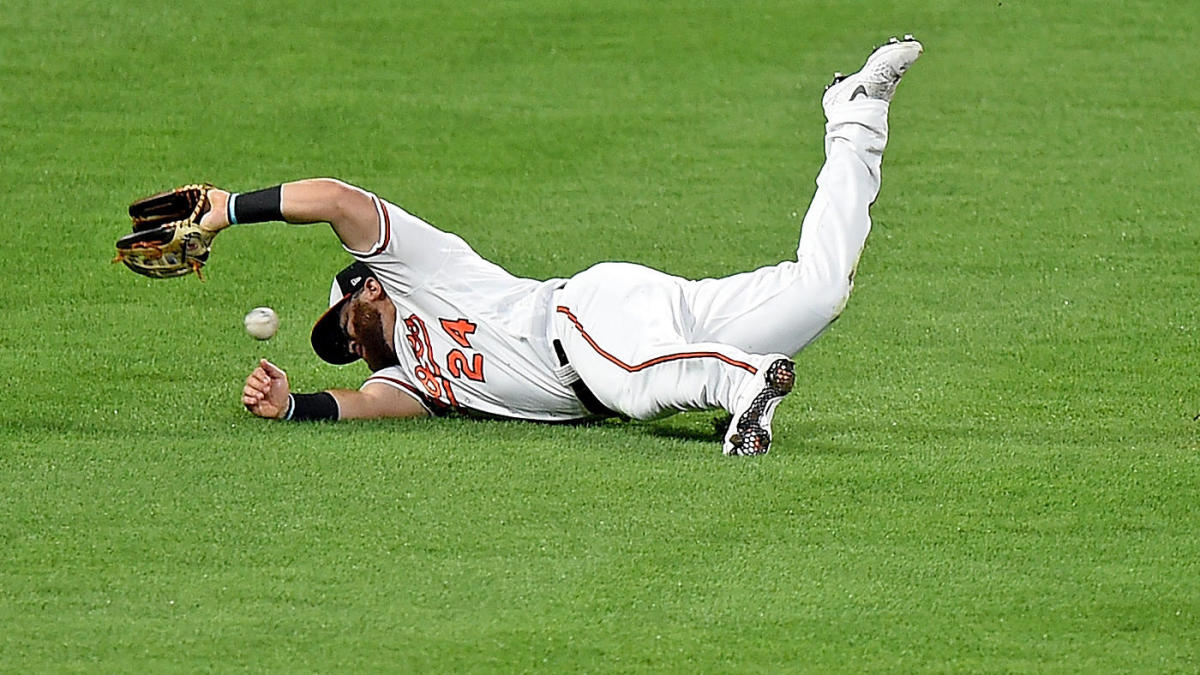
471, 336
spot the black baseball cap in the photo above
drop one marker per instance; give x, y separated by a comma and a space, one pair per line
328, 340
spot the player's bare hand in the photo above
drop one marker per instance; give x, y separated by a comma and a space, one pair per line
266, 391
217, 217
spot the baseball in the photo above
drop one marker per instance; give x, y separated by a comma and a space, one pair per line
261, 323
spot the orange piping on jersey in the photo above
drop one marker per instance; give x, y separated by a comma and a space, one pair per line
657, 360
387, 228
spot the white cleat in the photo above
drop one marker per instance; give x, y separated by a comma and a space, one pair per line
879, 75
749, 432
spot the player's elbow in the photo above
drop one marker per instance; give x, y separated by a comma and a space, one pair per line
336, 193
350, 210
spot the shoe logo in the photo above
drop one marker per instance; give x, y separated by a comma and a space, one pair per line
860, 90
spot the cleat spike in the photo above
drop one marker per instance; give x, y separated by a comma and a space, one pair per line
750, 429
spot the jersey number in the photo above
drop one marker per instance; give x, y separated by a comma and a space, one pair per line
458, 330
457, 362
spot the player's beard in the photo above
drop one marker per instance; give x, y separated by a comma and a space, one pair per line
368, 326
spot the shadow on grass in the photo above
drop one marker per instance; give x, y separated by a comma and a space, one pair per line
696, 432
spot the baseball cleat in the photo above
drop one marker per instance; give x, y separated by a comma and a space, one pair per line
750, 431
879, 75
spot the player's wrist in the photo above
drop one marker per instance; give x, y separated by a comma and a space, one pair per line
214, 219
259, 206
321, 406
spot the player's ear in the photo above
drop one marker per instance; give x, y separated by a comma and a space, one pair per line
372, 289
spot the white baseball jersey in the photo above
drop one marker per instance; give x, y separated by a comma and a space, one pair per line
469, 335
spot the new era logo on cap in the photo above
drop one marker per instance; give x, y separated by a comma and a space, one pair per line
352, 277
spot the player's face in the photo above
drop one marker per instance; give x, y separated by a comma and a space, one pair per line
364, 329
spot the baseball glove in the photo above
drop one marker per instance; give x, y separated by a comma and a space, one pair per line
167, 240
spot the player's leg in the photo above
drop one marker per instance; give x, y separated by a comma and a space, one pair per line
784, 307
649, 344
622, 327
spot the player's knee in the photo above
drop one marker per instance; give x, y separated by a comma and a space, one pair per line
830, 299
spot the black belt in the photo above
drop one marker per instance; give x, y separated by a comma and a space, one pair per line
585, 395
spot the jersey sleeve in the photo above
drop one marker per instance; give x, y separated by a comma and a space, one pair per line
396, 378
408, 251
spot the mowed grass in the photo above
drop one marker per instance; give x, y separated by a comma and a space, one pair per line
990, 463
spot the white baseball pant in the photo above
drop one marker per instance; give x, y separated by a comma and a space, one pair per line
649, 344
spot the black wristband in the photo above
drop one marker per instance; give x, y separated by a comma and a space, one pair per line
313, 407
260, 206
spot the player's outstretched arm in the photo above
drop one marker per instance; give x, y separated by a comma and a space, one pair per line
349, 210
268, 394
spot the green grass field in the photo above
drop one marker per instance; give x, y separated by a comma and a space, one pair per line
991, 462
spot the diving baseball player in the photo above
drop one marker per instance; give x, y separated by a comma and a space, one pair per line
443, 330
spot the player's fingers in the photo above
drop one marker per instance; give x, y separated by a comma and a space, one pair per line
272, 369
257, 409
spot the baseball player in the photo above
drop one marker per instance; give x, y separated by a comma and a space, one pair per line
443, 330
